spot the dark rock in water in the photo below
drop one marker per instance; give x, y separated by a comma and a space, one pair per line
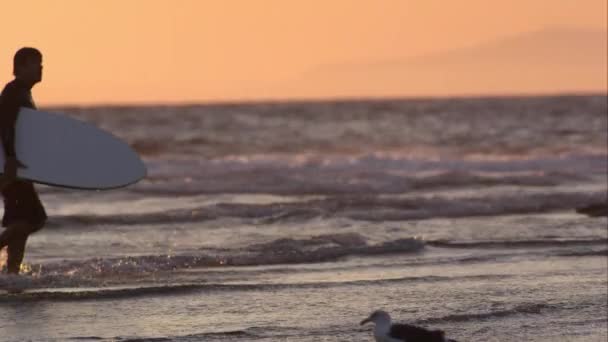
594, 210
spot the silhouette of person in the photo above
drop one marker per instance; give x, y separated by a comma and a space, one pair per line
24, 214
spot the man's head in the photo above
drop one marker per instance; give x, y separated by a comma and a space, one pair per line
27, 65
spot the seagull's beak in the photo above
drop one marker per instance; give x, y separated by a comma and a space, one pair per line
367, 320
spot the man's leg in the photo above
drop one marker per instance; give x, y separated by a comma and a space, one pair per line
14, 229
4, 238
15, 251
7, 235
15, 237
23, 215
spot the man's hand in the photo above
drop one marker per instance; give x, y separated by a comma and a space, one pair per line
10, 167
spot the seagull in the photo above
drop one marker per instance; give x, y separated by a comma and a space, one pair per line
384, 331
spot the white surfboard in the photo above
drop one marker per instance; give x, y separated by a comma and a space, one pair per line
62, 151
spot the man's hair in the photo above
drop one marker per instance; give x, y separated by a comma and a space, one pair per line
23, 56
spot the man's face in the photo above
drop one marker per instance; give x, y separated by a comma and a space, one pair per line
32, 70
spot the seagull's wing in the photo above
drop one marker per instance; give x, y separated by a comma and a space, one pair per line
408, 332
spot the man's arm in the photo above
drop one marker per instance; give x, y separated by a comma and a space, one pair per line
9, 110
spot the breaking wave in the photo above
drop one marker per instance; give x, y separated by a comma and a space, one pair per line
363, 208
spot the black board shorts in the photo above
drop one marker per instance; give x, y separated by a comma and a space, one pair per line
22, 204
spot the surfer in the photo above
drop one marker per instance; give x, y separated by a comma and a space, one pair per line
24, 214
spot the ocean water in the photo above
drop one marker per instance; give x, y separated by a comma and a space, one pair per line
292, 221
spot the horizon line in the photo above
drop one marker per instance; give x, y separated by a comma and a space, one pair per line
321, 99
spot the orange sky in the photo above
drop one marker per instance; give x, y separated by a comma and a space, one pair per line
134, 51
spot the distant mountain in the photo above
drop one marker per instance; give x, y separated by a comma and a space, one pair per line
555, 60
